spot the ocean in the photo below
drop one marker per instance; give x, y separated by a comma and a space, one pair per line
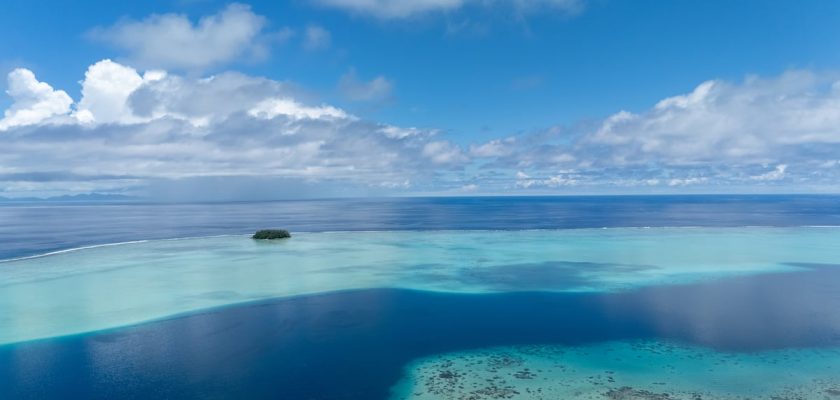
36, 228
614, 297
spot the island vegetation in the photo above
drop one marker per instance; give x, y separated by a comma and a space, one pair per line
270, 234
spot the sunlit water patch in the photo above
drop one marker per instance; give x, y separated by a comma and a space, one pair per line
626, 370
111, 286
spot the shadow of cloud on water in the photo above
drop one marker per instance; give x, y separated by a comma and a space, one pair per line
799, 308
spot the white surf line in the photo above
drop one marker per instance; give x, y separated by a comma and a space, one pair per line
95, 246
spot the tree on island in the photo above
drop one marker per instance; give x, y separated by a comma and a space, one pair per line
272, 234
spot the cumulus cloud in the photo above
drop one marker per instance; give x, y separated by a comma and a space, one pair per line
720, 134
33, 101
174, 41
755, 121
206, 101
105, 91
153, 127
397, 9
352, 88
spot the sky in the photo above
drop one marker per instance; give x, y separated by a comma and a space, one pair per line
216, 100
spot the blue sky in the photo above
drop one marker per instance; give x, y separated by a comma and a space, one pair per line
452, 97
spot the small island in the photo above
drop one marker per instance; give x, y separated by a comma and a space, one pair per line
271, 234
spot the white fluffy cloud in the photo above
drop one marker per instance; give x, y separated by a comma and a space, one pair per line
756, 121
174, 41
33, 101
105, 92
133, 130
395, 9
760, 132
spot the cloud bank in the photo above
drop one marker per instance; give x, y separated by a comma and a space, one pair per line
138, 132
132, 129
756, 121
783, 131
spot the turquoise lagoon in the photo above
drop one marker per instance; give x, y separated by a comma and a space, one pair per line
109, 286
643, 370
628, 272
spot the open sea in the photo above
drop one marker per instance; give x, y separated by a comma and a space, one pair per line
613, 297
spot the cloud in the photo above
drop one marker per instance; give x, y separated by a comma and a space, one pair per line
174, 41
399, 9
721, 134
208, 101
105, 91
567, 178
316, 38
153, 128
756, 121
687, 181
396, 132
147, 131
443, 152
377, 89
271, 108
493, 148
776, 174
34, 102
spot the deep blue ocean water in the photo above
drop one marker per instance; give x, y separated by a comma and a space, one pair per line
27, 229
354, 344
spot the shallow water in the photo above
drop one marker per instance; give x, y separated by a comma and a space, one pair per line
635, 369
111, 286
